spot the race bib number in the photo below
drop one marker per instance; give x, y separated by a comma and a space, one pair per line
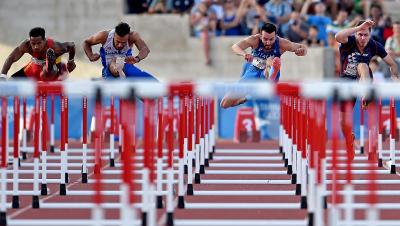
259, 63
351, 69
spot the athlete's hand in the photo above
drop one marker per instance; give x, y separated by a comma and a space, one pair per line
94, 57
130, 60
3, 77
71, 65
395, 78
248, 57
366, 25
301, 51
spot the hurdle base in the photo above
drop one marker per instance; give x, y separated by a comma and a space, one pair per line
35, 202
310, 219
24, 157
144, 219
211, 155
63, 189
3, 219
303, 202
43, 189
185, 169
380, 163
119, 149
193, 162
286, 161
112, 162
19, 162
284, 158
197, 178
170, 219
294, 178
84, 178
181, 202
189, 189
298, 189
202, 170
393, 169
66, 178
206, 163
52, 149
280, 149
325, 202
15, 202
289, 169
159, 203
362, 149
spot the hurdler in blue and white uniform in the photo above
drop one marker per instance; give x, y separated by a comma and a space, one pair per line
116, 52
263, 63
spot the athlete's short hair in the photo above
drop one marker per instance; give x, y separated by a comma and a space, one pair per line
269, 28
122, 29
37, 31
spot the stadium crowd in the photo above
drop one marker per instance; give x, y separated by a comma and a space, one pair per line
311, 22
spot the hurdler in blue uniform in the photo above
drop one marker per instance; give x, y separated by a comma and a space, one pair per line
116, 52
264, 60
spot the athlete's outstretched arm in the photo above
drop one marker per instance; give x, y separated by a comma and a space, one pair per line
66, 47
393, 67
240, 47
134, 38
343, 35
98, 38
14, 56
298, 49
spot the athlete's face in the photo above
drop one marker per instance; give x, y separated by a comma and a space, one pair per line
37, 44
362, 37
268, 39
120, 42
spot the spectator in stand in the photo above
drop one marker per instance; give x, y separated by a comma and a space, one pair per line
277, 12
157, 6
376, 15
313, 40
392, 45
298, 29
203, 19
387, 28
230, 23
320, 20
137, 6
180, 6
342, 22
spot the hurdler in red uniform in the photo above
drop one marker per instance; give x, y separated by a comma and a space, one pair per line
46, 53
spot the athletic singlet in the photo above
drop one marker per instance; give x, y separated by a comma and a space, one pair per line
260, 54
38, 61
350, 56
108, 50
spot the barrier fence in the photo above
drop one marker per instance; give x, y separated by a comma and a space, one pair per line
179, 124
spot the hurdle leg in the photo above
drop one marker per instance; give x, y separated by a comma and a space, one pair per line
44, 173
348, 201
3, 196
159, 183
380, 157
145, 195
392, 155
294, 164
185, 155
197, 170
189, 190
170, 198
202, 155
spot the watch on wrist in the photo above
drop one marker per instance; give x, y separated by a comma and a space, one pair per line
137, 59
